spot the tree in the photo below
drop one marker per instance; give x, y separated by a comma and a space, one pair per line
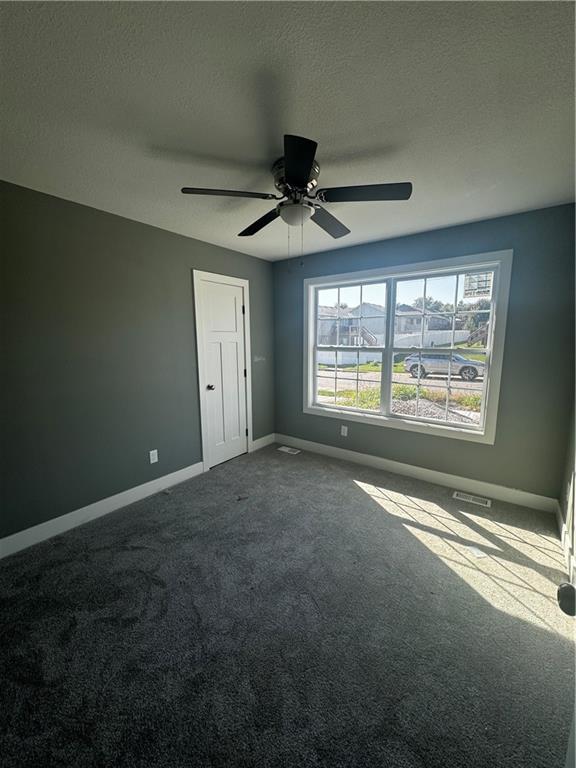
431, 305
476, 319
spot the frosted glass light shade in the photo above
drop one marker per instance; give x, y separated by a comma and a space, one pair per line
295, 214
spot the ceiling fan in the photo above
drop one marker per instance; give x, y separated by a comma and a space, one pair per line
296, 177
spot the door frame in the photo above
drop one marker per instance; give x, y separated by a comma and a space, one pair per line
198, 277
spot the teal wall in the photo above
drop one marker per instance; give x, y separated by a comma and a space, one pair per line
538, 373
99, 353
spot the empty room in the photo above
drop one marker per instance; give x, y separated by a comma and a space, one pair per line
287, 385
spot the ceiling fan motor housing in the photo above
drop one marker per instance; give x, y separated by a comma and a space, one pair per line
279, 173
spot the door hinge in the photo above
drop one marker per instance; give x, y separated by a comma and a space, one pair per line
243, 309
244, 372
246, 431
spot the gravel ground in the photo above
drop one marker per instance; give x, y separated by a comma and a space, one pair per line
428, 410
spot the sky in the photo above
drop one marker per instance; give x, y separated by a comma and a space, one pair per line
407, 291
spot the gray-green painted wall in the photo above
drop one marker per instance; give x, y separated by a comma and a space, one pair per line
99, 353
538, 373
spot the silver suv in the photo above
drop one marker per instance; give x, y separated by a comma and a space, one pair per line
431, 363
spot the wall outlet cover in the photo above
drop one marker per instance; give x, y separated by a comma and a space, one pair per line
153, 456
343, 431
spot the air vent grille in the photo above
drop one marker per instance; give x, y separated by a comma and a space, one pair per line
479, 500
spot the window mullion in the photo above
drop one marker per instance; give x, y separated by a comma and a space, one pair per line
388, 353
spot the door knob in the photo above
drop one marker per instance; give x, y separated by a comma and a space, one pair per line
210, 386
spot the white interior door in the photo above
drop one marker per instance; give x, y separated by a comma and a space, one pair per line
222, 368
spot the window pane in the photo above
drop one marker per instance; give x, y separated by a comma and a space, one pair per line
349, 332
434, 366
370, 366
325, 377
409, 295
327, 330
465, 406
347, 365
369, 396
349, 301
472, 329
406, 368
373, 300
440, 293
442, 330
325, 392
369, 380
432, 401
466, 368
401, 364
403, 399
438, 330
373, 331
328, 302
475, 290
346, 390
407, 331
326, 364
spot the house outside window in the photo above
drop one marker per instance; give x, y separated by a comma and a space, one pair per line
417, 348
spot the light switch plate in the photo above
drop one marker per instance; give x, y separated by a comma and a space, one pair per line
153, 456
343, 431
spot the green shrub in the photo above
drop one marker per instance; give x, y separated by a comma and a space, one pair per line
368, 399
404, 392
471, 402
433, 395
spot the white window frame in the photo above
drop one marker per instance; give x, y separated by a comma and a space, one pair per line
500, 261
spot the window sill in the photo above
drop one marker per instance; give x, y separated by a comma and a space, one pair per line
378, 420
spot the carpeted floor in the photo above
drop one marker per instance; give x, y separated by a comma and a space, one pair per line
289, 611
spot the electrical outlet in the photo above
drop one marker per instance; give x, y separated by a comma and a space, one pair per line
343, 431
153, 456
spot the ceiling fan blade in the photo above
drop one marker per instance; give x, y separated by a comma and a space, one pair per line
329, 223
299, 156
228, 193
365, 193
260, 223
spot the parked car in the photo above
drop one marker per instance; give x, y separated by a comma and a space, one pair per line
433, 363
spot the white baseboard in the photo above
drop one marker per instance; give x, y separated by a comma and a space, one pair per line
564, 534
261, 442
479, 487
23, 539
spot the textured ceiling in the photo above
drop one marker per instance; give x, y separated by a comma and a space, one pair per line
118, 105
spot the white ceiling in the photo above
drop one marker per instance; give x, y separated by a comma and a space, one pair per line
118, 105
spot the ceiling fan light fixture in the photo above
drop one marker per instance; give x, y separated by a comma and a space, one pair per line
295, 214
295, 177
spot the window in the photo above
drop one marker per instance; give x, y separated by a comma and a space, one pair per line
417, 348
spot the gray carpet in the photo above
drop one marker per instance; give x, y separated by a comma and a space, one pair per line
289, 611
